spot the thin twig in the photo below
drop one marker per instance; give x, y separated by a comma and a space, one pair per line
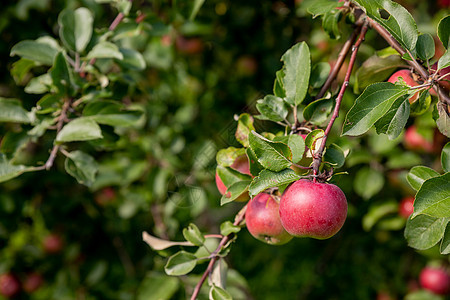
318, 156
339, 61
214, 256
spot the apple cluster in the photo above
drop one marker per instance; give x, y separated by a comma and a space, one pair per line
305, 209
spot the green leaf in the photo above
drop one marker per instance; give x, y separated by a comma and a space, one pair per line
80, 129
218, 293
75, 28
312, 139
113, 113
370, 106
230, 176
255, 166
36, 51
132, 59
335, 156
377, 212
421, 105
443, 120
21, 68
268, 179
318, 111
330, 23
422, 295
8, 170
61, 75
234, 191
193, 235
321, 7
226, 157
227, 227
39, 85
274, 156
425, 46
400, 22
423, 232
393, 122
376, 69
195, 9
418, 174
12, 142
297, 67
244, 127
433, 197
180, 263
272, 108
278, 88
11, 110
105, 50
445, 158
444, 61
443, 31
445, 244
319, 74
157, 286
368, 182
82, 167
295, 143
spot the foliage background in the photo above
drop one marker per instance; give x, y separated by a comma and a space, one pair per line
190, 100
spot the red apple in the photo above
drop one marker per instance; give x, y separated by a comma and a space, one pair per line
406, 207
9, 285
414, 141
52, 243
32, 282
407, 78
263, 221
316, 210
436, 280
241, 165
189, 46
444, 3
445, 82
105, 196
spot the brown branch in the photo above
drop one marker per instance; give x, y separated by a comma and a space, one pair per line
215, 255
318, 156
414, 63
339, 61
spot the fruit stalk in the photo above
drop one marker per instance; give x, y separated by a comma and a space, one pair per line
214, 256
318, 156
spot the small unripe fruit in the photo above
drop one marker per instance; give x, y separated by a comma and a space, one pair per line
9, 285
52, 244
406, 207
436, 280
32, 282
316, 210
408, 79
415, 141
263, 221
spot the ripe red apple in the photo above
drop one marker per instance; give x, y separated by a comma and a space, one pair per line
445, 82
436, 280
241, 165
316, 210
32, 282
263, 221
105, 196
52, 243
407, 78
406, 207
189, 46
9, 285
414, 141
444, 3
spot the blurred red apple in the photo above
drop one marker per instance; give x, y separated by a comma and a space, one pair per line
32, 282
406, 207
9, 285
189, 46
436, 280
415, 141
52, 243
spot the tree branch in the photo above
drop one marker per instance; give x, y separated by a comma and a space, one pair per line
237, 220
318, 156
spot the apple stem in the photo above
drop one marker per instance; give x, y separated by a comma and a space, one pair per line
318, 155
215, 255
